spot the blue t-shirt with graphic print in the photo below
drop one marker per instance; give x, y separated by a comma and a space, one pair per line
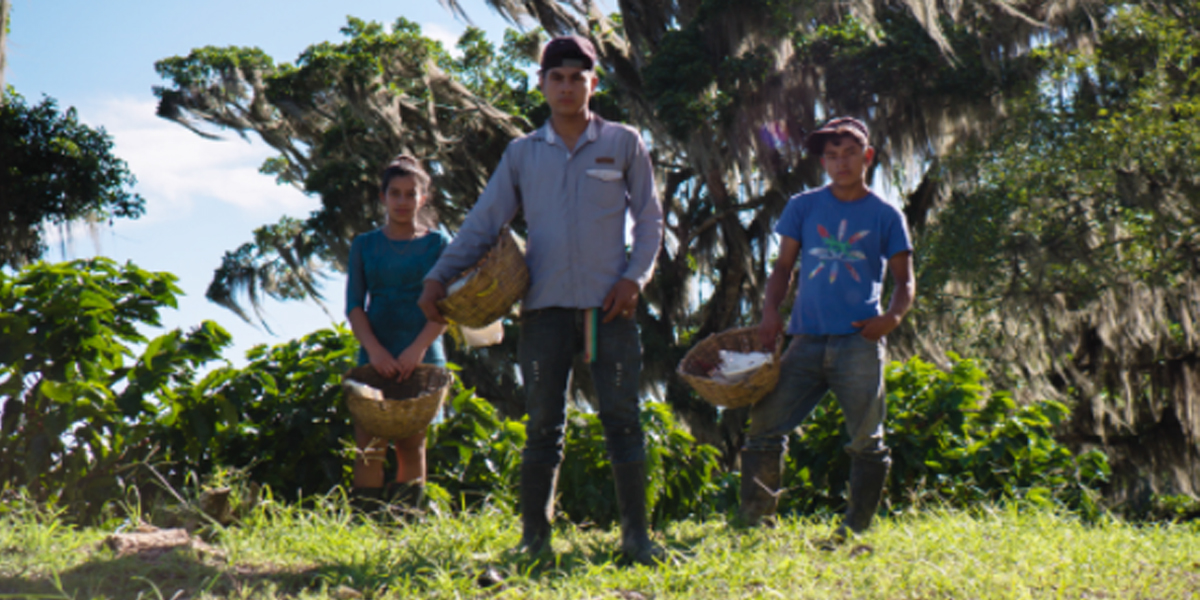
844, 249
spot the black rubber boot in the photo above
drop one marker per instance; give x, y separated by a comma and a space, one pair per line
630, 480
366, 500
405, 499
762, 478
537, 507
408, 494
868, 477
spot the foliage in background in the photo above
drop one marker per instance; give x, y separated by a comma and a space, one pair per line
1067, 252
955, 441
723, 90
75, 409
281, 417
336, 115
681, 473
85, 415
54, 170
474, 453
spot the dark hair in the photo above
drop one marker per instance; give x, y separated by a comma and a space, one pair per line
404, 165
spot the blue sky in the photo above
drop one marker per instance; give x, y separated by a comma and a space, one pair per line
202, 197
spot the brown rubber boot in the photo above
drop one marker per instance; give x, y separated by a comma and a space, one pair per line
762, 477
630, 480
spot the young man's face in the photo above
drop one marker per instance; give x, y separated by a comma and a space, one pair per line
567, 89
846, 160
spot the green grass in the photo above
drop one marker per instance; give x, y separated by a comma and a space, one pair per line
326, 552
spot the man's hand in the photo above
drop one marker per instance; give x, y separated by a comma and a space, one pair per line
905, 291
876, 327
621, 300
434, 291
769, 329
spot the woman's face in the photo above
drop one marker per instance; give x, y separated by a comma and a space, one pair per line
403, 198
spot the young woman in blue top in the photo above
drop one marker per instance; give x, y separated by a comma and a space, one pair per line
385, 278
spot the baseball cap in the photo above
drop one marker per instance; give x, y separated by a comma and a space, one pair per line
568, 51
815, 142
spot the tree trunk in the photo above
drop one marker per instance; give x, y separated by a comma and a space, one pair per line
4, 6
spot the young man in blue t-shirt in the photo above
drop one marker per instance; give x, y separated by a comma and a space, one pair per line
846, 238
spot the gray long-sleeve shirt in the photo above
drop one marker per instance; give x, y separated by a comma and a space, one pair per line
575, 205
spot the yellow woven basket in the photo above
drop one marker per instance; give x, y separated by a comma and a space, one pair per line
704, 357
498, 281
407, 407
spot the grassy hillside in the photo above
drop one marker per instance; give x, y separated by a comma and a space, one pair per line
325, 552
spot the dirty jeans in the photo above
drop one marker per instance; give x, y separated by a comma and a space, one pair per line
550, 339
849, 365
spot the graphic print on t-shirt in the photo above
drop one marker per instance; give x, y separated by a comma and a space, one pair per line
838, 252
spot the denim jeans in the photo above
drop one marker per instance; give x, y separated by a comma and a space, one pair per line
849, 365
550, 339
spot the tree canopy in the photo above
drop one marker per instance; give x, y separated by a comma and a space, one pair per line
336, 114
55, 170
1043, 153
4, 7
1069, 246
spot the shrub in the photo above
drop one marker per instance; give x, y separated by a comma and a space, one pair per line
80, 410
77, 413
953, 440
281, 417
473, 455
681, 475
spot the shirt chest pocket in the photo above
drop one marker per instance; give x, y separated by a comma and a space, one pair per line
604, 188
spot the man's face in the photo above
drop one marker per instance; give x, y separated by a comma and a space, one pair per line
567, 89
845, 160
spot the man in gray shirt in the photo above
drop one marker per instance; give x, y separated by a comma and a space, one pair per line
576, 179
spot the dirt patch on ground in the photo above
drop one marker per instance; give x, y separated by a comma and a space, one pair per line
167, 563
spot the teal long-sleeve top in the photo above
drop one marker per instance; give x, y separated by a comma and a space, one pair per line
385, 278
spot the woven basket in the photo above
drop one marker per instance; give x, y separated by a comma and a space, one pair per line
408, 406
704, 357
500, 279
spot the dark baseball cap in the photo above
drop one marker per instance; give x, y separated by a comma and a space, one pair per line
815, 142
568, 51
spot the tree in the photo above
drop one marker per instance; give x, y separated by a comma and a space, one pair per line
55, 170
1051, 187
725, 90
1068, 252
336, 115
4, 6
76, 402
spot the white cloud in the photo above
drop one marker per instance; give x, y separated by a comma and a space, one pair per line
178, 171
448, 38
